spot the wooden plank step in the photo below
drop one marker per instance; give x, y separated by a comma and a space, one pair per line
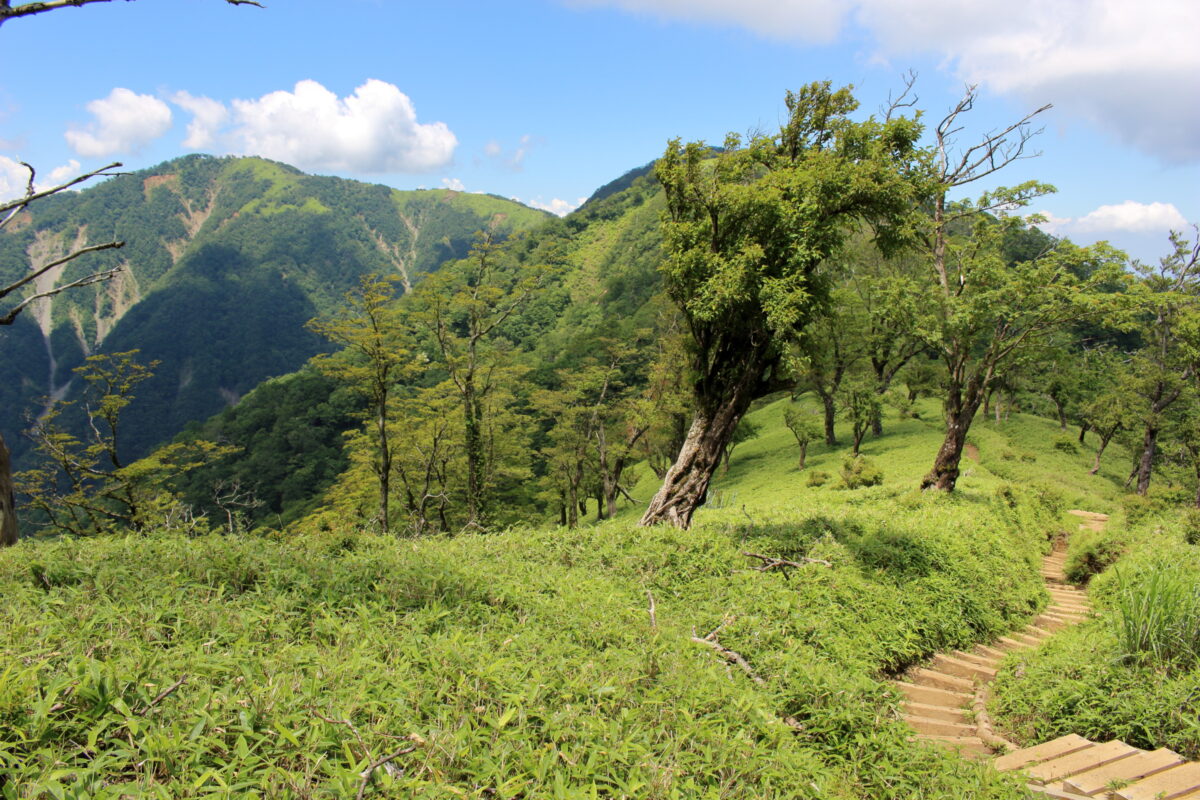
965, 745
938, 727
1017, 644
1166, 785
976, 658
1065, 617
1080, 761
1050, 622
1092, 515
1036, 632
933, 696
940, 680
944, 713
1063, 745
1069, 610
990, 652
962, 669
1127, 770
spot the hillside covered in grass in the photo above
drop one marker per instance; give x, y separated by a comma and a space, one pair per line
540, 662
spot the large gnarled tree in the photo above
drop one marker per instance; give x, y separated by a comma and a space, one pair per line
744, 233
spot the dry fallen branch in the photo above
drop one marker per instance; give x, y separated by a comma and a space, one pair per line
385, 761
653, 618
733, 657
770, 562
164, 694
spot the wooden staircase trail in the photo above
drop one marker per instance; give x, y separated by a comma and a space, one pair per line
945, 703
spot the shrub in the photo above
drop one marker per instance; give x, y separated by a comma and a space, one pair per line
1090, 553
1066, 444
1157, 616
816, 478
1191, 526
859, 471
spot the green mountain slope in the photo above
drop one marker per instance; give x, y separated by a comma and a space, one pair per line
225, 259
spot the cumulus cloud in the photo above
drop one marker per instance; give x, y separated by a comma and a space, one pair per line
208, 116
1131, 68
374, 130
1127, 217
492, 149
123, 122
454, 184
809, 21
556, 206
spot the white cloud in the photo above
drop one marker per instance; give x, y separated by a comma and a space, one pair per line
123, 122
556, 206
492, 149
809, 21
374, 130
454, 184
208, 116
64, 172
1131, 68
1127, 217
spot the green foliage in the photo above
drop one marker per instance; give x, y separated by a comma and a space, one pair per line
1157, 614
1091, 552
859, 471
816, 478
1066, 444
523, 661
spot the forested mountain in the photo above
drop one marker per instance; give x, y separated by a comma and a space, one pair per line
225, 261
601, 286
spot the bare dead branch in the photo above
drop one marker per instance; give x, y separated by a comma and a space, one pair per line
903, 100
365, 775
653, 618
83, 251
366, 753
733, 657
95, 277
10, 207
7, 11
770, 562
164, 694
997, 149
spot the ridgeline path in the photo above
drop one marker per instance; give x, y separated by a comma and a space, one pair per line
945, 703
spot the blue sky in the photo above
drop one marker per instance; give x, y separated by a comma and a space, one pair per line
544, 100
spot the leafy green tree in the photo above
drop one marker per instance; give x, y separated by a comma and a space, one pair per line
83, 486
464, 310
745, 232
827, 350
804, 427
1169, 298
983, 308
374, 358
861, 406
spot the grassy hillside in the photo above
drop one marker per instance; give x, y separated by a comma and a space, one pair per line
539, 662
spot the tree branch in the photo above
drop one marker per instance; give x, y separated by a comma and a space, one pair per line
7, 12
770, 562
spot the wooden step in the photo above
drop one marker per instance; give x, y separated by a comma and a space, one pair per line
962, 669
933, 696
1080, 761
1063, 745
976, 658
1166, 785
938, 727
989, 652
1127, 770
940, 680
965, 745
1017, 644
954, 714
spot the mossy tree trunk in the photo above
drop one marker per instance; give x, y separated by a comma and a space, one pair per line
8, 508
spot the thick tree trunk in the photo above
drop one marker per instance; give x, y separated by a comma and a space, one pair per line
961, 406
803, 454
685, 486
1083, 429
1146, 461
830, 416
8, 507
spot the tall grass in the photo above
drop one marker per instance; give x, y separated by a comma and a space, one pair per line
1157, 616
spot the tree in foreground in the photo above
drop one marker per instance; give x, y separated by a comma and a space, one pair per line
744, 233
